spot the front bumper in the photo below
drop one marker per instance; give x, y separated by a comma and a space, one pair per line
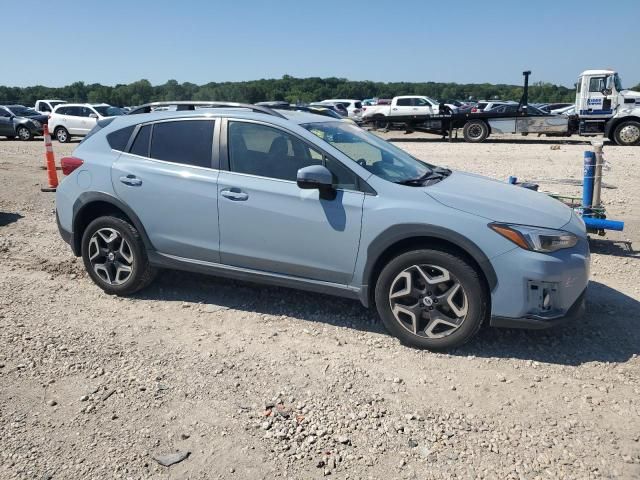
538, 290
541, 321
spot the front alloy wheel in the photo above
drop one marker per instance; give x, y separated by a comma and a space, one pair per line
432, 298
428, 301
24, 133
628, 133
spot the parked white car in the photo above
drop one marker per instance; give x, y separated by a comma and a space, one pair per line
403, 107
46, 106
354, 107
77, 119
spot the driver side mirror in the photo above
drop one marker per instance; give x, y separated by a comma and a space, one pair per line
317, 177
93, 115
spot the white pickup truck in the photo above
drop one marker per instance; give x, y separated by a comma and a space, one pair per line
403, 106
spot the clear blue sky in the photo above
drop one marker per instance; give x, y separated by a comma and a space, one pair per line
57, 42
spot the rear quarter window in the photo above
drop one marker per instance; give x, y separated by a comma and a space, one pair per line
118, 140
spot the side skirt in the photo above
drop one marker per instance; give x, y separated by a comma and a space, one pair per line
163, 260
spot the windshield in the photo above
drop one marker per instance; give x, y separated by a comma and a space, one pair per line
618, 82
20, 111
106, 111
371, 152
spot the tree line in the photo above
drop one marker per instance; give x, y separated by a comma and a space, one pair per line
287, 88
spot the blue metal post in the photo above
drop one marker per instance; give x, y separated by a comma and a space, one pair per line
603, 224
587, 183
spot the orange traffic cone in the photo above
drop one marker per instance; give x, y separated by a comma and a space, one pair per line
52, 175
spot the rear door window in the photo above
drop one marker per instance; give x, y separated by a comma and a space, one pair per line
189, 142
404, 102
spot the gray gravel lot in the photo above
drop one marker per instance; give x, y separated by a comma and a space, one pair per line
257, 382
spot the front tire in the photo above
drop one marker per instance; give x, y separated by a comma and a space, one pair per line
431, 299
62, 135
24, 133
115, 257
475, 131
627, 133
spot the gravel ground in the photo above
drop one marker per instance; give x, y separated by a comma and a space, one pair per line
254, 382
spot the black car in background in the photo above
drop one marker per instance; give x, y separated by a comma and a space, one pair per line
21, 122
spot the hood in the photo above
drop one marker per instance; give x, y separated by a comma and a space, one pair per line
499, 201
630, 94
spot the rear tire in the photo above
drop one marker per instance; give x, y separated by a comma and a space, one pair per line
627, 133
115, 257
475, 131
62, 135
431, 299
381, 122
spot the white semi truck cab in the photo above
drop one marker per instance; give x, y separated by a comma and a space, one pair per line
604, 107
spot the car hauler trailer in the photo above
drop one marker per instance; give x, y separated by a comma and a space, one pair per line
603, 108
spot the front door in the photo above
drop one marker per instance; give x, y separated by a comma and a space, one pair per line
168, 181
268, 223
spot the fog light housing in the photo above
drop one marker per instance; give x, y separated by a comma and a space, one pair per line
542, 297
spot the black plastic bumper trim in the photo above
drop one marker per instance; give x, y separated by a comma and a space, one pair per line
539, 322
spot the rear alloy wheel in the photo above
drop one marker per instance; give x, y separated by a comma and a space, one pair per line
627, 133
24, 133
114, 256
475, 131
62, 135
431, 299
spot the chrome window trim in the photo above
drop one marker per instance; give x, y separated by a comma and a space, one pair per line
227, 165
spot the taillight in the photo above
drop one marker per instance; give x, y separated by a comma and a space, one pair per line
69, 164
474, 109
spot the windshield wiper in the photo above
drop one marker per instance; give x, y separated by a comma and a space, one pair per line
438, 173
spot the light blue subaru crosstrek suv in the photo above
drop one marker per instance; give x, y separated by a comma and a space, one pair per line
299, 200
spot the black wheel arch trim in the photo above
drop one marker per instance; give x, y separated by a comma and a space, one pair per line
409, 231
85, 200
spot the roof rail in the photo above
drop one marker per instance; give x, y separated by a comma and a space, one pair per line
187, 105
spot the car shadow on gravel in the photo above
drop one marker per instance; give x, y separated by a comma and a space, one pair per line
217, 293
6, 218
618, 248
609, 332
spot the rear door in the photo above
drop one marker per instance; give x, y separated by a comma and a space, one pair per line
72, 120
403, 107
6, 123
168, 177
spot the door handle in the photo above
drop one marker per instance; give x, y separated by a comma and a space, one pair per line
234, 194
131, 180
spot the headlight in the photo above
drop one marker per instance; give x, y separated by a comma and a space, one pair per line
36, 123
537, 239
